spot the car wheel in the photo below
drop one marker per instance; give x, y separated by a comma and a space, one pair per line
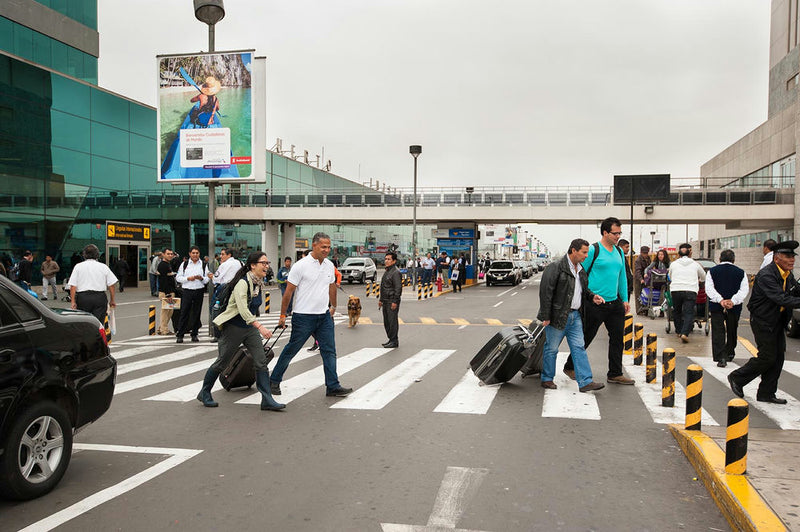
38, 451
793, 329
363, 278
375, 277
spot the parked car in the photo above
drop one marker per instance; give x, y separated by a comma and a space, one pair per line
503, 271
359, 269
56, 377
524, 267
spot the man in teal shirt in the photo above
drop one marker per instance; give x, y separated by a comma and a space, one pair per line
605, 265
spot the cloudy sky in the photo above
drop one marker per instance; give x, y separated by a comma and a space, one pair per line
508, 92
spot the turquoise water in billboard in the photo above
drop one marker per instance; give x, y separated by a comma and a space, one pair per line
234, 104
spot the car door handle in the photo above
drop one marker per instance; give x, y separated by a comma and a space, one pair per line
6, 356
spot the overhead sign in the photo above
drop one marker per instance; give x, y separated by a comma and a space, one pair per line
128, 232
640, 188
208, 108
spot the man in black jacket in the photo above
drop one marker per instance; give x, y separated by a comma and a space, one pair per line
391, 292
775, 294
562, 292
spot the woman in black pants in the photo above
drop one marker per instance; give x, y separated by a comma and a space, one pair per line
239, 326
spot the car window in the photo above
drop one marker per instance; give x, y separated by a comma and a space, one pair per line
23, 311
6, 316
354, 262
501, 265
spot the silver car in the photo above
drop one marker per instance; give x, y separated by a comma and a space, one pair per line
359, 269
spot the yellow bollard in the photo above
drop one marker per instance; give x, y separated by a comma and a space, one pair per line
628, 336
694, 397
151, 320
652, 356
266, 302
668, 378
638, 333
736, 437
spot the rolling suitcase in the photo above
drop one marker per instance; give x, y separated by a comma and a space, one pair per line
535, 350
505, 354
240, 372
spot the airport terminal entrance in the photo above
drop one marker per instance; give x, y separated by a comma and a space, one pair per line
130, 243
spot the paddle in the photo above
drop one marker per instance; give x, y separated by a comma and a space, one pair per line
185, 75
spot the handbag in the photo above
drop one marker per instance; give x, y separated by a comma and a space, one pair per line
175, 305
454, 275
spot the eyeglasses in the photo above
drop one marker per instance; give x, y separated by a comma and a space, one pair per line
616, 233
264, 262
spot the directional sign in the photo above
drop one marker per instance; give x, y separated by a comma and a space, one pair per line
128, 232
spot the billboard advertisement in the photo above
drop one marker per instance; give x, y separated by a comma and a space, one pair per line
206, 110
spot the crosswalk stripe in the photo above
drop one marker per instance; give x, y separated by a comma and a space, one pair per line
792, 367
427, 321
382, 390
567, 401
749, 346
132, 352
493, 321
122, 369
162, 376
651, 397
785, 416
365, 320
460, 321
468, 397
315, 378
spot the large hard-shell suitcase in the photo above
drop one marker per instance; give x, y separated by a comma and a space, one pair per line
504, 355
240, 372
535, 350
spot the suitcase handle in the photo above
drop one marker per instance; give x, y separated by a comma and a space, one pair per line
266, 342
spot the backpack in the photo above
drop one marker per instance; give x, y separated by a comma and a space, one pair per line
13, 273
221, 301
596, 246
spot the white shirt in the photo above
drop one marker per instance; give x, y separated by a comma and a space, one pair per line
428, 263
578, 293
226, 271
91, 276
685, 275
153, 270
192, 269
313, 280
737, 298
767, 261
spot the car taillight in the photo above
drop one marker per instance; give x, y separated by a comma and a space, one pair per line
103, 336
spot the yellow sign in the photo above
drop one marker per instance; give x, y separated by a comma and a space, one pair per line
127, 231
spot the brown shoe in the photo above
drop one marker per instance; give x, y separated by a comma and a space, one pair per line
569, 373
621, 379
550, 385
592, 386
684, 339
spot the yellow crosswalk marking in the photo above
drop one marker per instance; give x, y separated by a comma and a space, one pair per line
525, 322
747, 345
400, 321
427, 321
492, 321
365, 320
460, 321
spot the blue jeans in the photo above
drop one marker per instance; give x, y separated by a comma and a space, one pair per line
683, 307
427, 275
574, 333
303, 326
153, 284
282, 286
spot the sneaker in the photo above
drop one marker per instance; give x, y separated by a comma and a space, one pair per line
592, 386
179, 340
722, 363
313, 348
339, 392
684, 339
621, 379
569, 373
195, 339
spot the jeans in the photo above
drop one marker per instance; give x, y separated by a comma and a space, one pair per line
427, 275
612, 315
50, 282
229, 341
303, 326
683, 306
282, 286
153, 284
553, 338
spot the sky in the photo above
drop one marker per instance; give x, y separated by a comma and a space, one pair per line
502, 93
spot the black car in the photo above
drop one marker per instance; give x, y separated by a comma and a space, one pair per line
503, 271
56, 377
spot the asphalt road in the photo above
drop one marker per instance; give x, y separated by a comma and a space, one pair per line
418, 445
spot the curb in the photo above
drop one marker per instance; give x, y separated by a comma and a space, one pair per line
450, 290
736, 498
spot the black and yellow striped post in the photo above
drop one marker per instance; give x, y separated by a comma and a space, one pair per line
266, 301
369, 288
105, 326
638, 338
429, 290
377, 290
668, 378
419, 292
151, 320
628, 334
652, 356
736, 437
694, 397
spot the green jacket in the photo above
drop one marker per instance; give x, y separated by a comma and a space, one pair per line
238, 303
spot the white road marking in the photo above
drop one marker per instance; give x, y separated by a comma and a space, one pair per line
463, 326
133, 351
504, 293
176, 457
315, 378
382, 390
515, 293
458, 488
497, 304
122, 369
651, 397
793, 367
468, 397
785, 416
162, 376
567, 401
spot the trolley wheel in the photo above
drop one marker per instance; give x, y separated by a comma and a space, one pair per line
707, 328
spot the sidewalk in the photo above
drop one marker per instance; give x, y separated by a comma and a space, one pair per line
766, 497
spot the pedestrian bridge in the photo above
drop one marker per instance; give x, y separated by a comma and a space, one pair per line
734, 207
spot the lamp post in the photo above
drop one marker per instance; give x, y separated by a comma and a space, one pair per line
210, 12
652, 240
415, 152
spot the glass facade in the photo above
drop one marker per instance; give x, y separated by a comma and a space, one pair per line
83, 11
779, 174
753, 240
43, 50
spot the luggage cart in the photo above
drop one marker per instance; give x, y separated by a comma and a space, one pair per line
652, 295
701, 317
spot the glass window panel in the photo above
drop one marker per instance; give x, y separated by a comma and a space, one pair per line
69, 131
110, 142
6, 34
23, 42
74, 166
111, 174
109, 109
293, 171
143, 151
279, 166
89, 69
143, 178
306, 175
41, 49
74, 62
31, 79
143, 120
60, 59
70, 96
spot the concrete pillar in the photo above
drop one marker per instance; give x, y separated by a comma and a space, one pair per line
288, 237
269, 244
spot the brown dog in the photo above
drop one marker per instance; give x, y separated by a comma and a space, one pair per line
354, 310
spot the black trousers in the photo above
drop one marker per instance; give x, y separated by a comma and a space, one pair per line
683, 308
95, 303
612, 315
390, 320
724, 327
768, 364
191, 308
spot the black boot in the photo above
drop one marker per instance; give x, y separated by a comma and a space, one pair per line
205, 393
262, 385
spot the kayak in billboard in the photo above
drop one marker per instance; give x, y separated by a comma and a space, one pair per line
205, 117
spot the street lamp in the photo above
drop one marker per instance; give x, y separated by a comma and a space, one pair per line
652, 240
415, 151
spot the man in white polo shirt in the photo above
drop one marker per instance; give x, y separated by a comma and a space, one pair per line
88, 283
312, 283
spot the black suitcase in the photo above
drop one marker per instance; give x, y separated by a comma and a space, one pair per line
508, 352
240, 372
535, 350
